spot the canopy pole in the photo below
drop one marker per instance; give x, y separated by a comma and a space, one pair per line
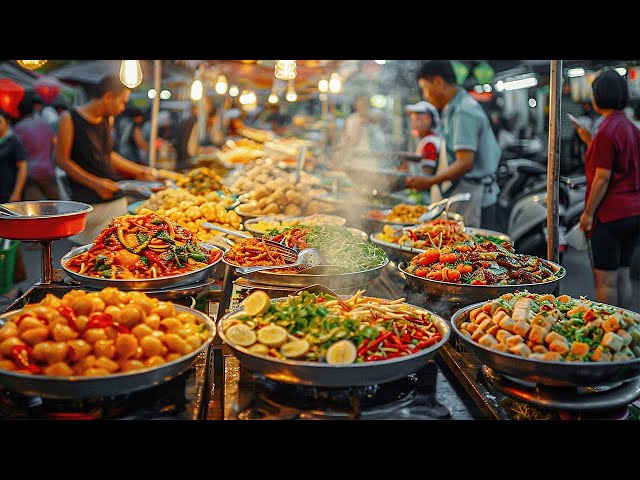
553, 170
155, 108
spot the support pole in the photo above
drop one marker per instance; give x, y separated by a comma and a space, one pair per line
155, 109
553, 167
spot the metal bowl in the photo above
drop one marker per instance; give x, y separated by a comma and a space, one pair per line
108, 385
381, 223
43, 220
171, 281
327, 375
399, 253
458, 295
544, 372
333, 281
249, 224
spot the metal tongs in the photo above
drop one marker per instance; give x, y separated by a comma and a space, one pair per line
288, 253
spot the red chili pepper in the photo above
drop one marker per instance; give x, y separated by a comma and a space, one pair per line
363, 347
546, 307
406, 337
413, 235
99, 320
343, 304
70, 315
373, 358
155, 258
21, 355
396, 340
378, 340
320, 299
394, 354
99, 241
427, 343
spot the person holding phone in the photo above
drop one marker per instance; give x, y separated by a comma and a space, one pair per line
611, 217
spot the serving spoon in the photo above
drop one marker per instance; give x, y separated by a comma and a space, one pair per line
309, 257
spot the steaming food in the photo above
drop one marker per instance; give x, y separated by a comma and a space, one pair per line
401, 213
337, 244
265, 225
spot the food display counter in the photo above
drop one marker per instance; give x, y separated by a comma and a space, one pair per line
452, 384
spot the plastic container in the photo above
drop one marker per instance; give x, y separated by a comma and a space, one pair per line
7, 264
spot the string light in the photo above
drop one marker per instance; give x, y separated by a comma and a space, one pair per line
335, 83
234, 91
31, 64
323, 85
273, 98
291, 96
286, 69
196, 90
221, 85
130, 73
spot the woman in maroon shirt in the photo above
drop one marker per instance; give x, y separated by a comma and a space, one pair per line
611, 217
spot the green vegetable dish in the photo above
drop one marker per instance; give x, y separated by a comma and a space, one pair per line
338, 245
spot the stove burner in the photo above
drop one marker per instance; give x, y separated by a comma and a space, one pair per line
602, 400
409, 397
160, 401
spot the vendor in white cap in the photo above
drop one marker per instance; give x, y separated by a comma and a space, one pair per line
425, 125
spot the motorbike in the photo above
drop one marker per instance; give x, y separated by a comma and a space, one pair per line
522, 200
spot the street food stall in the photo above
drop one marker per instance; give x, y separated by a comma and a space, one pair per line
203, 304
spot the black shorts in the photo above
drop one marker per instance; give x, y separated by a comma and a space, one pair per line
612, 243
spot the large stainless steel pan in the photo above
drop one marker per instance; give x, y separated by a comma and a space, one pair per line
108, 385
334, 281
44, 220
170, 281
399, 252
541, 372
327, 375
460, 294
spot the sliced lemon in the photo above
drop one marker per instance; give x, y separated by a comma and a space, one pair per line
273, 336
342, 352
295, 348
256, 303
240, 334
259, 349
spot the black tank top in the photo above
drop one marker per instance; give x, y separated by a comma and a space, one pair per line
91, 149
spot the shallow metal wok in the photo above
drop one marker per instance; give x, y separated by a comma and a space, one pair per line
335, 281
43, 220
541, 372
171, 281
327, 375
456, 295
399, 252
77, 387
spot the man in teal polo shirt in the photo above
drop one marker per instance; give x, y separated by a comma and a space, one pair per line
472, 151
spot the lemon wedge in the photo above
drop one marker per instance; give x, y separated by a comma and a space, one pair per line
241, 335
273, 336
342, 352
295, 348
256, 303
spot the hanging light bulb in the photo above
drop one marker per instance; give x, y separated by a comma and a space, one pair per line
130, 73
291, 96
247, 97
285, 69
31, 64
335, 83
323, 85
196, 90
273, 98
234, 91
221, 85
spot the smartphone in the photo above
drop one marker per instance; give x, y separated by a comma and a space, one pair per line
576, 122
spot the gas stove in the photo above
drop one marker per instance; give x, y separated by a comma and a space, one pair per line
419, 396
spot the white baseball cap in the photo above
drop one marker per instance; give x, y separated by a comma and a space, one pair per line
425, 107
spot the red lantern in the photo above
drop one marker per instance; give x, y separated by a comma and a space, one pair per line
11, 94
47, 88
